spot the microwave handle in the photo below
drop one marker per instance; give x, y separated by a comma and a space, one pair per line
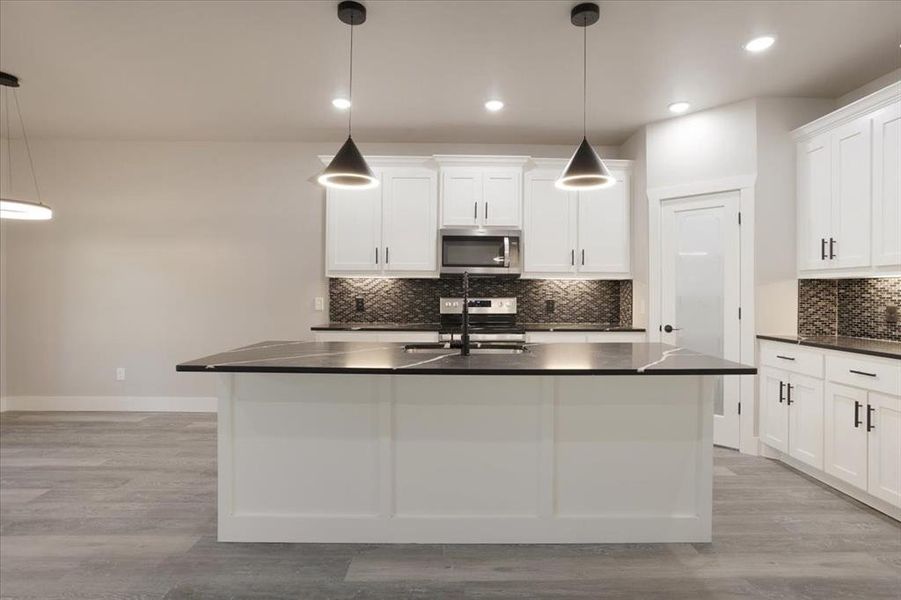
506, 252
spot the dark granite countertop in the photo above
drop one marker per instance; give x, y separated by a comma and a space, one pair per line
883, 348
539, 359
386, 326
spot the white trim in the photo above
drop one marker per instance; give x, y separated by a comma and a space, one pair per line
745, 185
879, 99
109, 403
480, 160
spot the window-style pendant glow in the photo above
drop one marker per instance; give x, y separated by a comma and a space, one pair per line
11, 208
348, 169
585, 170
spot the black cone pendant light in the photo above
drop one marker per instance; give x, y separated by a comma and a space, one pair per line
22, 210
585, 170
348, 168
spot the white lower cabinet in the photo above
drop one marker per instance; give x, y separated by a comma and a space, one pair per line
845, 425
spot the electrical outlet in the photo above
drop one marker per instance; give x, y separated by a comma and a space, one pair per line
360, 304
319, 304
891, 314
120, 374
549, 306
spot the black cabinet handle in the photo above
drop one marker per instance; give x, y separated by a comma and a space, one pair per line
788, 397
572, 257
583, 257
386, 255
781, 386
486, 211
856, 414
862, 373
376, 255
831, 251
475, 211
785, 357
822, 248
870, 411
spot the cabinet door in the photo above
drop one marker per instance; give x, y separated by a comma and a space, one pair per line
887, 186
461, 196
550, 221
354, 229
603, 232
805, 419
845, 443
773, 409
884, 447
852, 170
410, 220
501, 197
814, 201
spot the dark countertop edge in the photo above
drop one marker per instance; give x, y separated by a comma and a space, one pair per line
828, 346
434, 327
462, 371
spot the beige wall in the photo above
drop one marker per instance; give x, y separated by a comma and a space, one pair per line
162, 252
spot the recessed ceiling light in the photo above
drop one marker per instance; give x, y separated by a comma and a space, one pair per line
679, 107
342, 103
494, 105
759, 44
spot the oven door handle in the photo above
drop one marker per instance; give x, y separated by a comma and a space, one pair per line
506, 252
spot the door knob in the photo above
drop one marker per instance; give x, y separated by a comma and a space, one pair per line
670, 328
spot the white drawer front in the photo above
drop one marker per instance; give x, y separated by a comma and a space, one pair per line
792, 357
869, 374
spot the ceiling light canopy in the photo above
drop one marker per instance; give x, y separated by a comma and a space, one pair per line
494, 105
679, 107
348, 169
761, 43
585, 170
12, 208
341, 103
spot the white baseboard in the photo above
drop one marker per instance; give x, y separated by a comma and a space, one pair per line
109, 403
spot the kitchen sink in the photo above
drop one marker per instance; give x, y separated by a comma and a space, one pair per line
474, 348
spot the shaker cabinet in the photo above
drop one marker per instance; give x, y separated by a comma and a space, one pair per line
582, 235
792, 414
849, 177
481, 196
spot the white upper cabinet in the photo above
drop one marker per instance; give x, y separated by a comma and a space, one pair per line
481, 191
583, 235
410, 218
354, 220
550, 224
849, 183
391, 229
604, 228
887, 186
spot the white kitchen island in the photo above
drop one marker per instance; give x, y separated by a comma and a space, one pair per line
587, 443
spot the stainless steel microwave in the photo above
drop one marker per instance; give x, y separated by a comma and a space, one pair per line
480, 252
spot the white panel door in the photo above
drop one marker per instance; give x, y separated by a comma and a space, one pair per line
804, 398
604, 228
549, 234
814, 201
700, 291
501, 197
884, 447
354, 229
887, 186
845, 444
773, 409
461, 196
852, 171
410, 220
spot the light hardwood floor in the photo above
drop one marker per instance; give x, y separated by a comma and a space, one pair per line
123, 505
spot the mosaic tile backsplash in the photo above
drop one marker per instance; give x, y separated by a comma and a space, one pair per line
416, 300
852, 307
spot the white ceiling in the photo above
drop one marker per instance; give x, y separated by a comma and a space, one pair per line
267, 70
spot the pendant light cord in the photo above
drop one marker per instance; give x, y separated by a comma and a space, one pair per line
34, 176
350, 92
9, 145
584, 80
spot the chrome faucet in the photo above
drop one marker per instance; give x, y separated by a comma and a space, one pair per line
464, 336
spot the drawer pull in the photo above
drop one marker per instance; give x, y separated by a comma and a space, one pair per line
870, 411
856, 414
862, 373
785, 357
